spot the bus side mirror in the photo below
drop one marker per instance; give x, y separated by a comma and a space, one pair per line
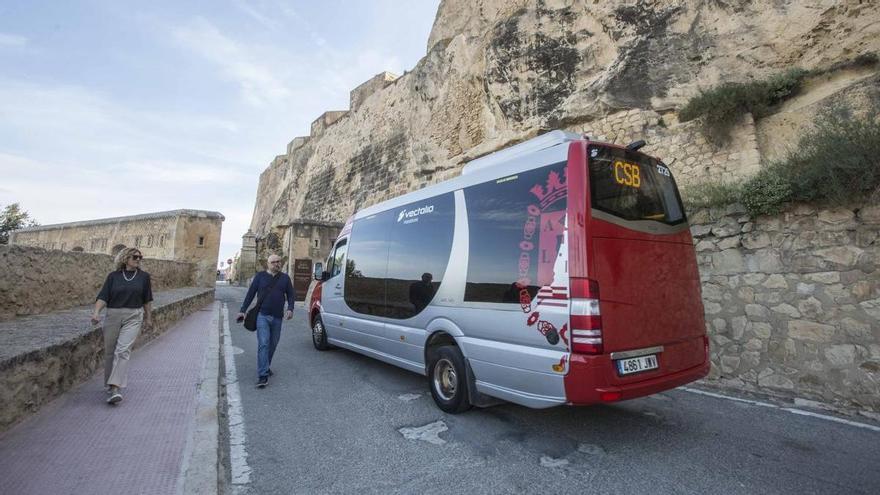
319, 271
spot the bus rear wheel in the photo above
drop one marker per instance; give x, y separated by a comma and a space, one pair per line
447, 378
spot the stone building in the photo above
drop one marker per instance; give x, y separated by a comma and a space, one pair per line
192, 236
301, 243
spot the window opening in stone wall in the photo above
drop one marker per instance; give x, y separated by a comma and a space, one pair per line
137, 241
149, 241
162, 240
316, 243
201, 240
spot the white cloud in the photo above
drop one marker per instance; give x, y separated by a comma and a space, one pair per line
181, 173
12, 40
239, 62
255, 14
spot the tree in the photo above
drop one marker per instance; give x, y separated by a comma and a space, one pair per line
12, 218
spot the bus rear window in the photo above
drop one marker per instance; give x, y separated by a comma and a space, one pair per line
633, 186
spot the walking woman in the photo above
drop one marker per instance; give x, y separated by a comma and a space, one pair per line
128, 297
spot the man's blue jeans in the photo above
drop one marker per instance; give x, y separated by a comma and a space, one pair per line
268, 334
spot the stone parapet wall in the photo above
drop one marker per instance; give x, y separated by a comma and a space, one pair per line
43, 356
34, 280
792, 302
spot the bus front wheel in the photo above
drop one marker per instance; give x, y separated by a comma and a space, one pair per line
319, 334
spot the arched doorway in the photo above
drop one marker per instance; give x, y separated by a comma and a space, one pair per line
78, 249
117, 248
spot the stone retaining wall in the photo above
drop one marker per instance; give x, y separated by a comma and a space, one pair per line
35, 280
793, 302
43, 356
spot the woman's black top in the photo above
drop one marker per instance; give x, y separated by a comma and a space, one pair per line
121, 293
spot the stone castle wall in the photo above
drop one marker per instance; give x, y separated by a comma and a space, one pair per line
500, 71
190, 236
792, 301
35, 280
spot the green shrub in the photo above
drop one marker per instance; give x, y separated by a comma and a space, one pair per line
839, 160
722, 107
766, 192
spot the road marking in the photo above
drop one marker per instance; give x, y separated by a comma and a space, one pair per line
409, 397
429, 433
241, 472
792, 410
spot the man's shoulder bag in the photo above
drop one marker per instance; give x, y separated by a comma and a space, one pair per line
250, 318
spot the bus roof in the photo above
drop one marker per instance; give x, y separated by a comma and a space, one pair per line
543, 141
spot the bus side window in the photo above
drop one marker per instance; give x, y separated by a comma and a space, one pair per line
516, 225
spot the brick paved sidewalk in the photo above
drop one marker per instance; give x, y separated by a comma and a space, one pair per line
78, 444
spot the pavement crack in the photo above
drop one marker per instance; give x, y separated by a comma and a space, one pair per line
551, 462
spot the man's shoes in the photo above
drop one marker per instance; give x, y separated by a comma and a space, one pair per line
262, 382
270, 372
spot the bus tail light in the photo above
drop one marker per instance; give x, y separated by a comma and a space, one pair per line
586, 321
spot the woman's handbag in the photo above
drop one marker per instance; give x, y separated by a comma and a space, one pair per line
250, 318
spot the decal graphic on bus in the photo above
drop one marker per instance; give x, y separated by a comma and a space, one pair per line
548, 218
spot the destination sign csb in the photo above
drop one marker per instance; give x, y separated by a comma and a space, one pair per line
627, 174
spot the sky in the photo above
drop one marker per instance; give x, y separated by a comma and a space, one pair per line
114, 108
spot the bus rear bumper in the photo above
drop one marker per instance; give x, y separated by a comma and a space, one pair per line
581, 387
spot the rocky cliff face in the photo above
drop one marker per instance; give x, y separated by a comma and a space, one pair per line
499, 71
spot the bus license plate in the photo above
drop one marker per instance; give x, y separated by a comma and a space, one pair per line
637, 364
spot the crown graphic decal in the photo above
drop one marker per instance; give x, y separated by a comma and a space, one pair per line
555, 189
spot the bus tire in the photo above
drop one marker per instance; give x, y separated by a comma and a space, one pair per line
447, 379
319, 334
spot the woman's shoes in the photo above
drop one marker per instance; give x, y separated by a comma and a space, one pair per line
115, 396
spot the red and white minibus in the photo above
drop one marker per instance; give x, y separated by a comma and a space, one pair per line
558, 271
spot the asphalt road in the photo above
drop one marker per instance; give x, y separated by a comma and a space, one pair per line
335, 422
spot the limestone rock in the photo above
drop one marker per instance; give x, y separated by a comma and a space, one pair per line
810, 330
841, 355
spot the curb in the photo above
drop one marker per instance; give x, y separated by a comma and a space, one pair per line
200, 457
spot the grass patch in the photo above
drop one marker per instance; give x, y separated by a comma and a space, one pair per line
710, 195
837, 161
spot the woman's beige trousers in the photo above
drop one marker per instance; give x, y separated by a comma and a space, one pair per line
121, 328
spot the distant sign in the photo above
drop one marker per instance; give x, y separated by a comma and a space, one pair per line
302, 277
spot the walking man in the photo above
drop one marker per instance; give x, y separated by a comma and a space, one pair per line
273, 287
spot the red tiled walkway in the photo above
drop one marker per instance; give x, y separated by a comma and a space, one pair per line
78, 444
